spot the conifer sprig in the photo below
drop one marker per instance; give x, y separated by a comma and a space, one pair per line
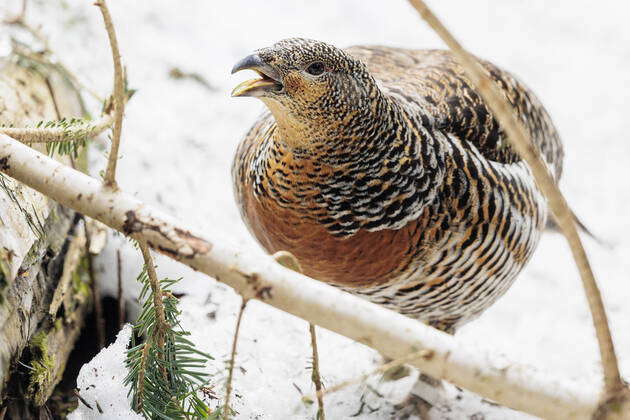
166, 370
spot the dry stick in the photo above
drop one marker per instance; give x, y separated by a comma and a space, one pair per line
119, 96
422, 354
315, 377
121, 303
228, 385
79, 131
463, 362
518, 137
162, 326
288, 260
99, 321
23, 11
44, 57
20, 16
141, 374
80, 398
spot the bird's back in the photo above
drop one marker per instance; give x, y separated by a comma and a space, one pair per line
434, 81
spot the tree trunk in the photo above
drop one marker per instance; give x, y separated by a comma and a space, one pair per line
44, 277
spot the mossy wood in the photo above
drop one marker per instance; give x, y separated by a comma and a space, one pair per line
44, 284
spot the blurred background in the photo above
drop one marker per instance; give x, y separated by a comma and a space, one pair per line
182, 128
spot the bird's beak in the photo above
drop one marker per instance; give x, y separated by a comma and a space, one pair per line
269, 80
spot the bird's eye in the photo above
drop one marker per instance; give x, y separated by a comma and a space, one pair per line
315, 68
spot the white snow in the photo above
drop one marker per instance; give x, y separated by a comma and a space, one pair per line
100, 382
178, 141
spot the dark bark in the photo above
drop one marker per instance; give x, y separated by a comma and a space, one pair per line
44, 281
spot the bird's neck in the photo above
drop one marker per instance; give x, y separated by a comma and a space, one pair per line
336, 138
375, 173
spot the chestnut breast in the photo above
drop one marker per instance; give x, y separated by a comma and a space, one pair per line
363, 259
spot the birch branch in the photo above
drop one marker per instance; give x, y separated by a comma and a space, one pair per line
393, 335
519, 138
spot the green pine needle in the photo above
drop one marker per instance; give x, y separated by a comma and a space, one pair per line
174, 379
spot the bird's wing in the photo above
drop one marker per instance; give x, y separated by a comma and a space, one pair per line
432, 82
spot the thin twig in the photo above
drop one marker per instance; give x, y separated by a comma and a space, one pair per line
80, 398
121, 302
288, 260
315, 376
81, 130
141, 374
161, 326
46, 56
228, 385
118, 96
99, 321
422, 354
518, 137
20, 16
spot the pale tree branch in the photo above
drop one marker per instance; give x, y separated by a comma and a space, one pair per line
454, 359
519, 138
118, 96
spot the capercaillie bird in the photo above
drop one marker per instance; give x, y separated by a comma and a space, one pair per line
384, 172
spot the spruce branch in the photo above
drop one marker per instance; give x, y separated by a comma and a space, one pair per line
519, 139
60, 131
161, 325
166, 371
118, 95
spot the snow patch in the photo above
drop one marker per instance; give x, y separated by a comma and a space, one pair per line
100, 384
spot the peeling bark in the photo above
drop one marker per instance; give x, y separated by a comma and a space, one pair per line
39, 258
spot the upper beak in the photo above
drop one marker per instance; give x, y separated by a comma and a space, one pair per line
269, 80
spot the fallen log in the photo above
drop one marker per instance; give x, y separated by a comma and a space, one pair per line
44, 283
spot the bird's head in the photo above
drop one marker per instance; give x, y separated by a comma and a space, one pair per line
307, 85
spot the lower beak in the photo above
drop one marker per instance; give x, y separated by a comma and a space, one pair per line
269, 79
253, 87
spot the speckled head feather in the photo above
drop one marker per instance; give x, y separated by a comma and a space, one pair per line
321, 85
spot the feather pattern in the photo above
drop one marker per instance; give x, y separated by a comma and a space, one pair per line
408, 193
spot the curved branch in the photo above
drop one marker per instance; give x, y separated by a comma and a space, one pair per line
518, 137
119, 96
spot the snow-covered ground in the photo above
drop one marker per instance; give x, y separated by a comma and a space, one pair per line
179, 137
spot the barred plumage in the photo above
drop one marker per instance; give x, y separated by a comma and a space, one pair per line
384, 173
